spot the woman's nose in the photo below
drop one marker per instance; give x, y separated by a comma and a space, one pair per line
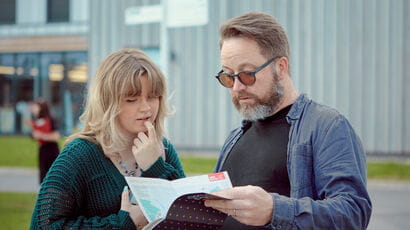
144, 105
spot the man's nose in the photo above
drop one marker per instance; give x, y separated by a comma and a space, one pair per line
237, 85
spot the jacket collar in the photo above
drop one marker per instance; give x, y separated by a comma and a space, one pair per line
297, 108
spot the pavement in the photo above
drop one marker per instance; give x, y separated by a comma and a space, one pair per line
13, 179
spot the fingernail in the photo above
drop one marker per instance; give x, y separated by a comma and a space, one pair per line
125, 188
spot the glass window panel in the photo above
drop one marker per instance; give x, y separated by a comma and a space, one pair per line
77, 76
7, 72
7, 12
59, 77
51, 72
27, 68
58, 11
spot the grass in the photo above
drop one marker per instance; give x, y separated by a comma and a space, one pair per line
16, 209
19, 151
388, 170
196, 165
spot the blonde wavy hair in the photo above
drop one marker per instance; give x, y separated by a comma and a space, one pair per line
116, 79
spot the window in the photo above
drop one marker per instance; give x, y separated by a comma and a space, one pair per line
60, 77
58, 11
7, 73
7, 12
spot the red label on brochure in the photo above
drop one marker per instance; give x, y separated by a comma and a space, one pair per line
216, 176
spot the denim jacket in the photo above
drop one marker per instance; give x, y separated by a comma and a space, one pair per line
326, 165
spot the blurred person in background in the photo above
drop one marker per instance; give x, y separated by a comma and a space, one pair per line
45, 132
123, 135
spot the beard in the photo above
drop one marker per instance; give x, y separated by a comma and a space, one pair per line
263, 107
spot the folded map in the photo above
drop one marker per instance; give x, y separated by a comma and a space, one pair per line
179, 203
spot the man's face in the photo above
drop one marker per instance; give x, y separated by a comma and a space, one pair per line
261, 99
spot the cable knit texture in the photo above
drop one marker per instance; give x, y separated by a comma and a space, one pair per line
83, 189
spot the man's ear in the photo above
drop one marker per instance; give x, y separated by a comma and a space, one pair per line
282, 67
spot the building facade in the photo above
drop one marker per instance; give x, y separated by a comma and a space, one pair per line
351, 55
43, 53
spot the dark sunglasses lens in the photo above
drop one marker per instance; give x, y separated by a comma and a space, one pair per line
247, 78
226, 80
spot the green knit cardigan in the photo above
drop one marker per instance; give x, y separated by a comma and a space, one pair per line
82, 189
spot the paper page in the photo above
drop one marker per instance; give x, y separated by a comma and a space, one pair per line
203, 183
153, 195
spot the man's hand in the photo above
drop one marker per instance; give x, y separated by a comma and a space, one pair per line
249, 205
146, 149
134, 210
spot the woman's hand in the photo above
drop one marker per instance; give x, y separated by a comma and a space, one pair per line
37, 135
146, 149
134, 210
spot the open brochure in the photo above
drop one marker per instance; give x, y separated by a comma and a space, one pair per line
179, 203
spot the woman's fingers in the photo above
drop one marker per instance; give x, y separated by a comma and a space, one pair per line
151, 131
125, 200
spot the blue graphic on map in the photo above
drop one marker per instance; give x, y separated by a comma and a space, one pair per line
152, 210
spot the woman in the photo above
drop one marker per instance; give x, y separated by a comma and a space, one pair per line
122, 136
46, 133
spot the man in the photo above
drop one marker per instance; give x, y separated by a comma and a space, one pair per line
294, 164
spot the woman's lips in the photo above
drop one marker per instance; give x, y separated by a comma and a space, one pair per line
144, 118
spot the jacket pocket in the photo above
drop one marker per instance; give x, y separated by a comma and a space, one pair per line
301, 168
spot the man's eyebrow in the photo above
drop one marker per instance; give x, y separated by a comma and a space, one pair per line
241, 66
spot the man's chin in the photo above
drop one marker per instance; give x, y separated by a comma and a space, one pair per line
255, 112
246, 112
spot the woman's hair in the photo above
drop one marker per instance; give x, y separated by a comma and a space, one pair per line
44, 110
262, 28
117, 78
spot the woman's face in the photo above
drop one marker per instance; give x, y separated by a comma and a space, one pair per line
136, 110
35, 109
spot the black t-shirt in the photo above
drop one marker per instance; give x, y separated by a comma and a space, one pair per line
259, 158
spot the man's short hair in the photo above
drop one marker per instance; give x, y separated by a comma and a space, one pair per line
262, 28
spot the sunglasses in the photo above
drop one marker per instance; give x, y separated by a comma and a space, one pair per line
246, 77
